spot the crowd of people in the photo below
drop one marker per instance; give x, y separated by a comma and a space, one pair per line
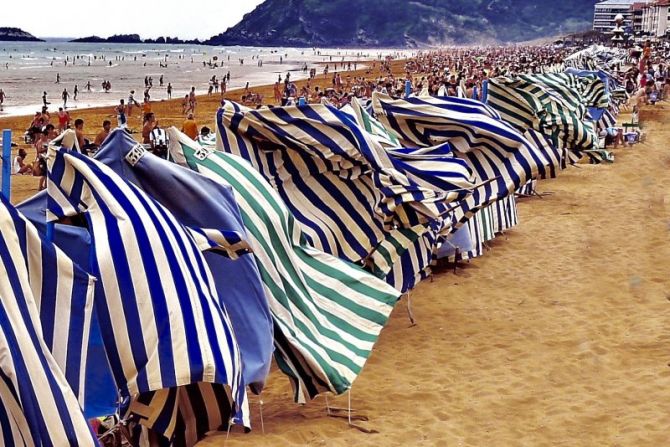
455, 72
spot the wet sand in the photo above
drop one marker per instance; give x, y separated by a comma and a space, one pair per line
559, 336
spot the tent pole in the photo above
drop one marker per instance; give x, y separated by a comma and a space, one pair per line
261, 409
409, 309
6, 162
349, 408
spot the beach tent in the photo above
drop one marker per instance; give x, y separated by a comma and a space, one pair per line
336, 180
549, 106
178, 333
199, 202
501, 157
598, 57
328, 313
45, 304
99, 390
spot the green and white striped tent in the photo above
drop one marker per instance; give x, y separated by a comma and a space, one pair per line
553, 105
328, 313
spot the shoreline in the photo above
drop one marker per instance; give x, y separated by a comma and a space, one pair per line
168, 111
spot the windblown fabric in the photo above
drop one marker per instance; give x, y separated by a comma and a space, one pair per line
498, 154
607, 120
63, 295
37, 406
337, 181
597, 93
327, 312
202, 203
162, 322
100, 392
197, 201
598, 57
542, 103
385, 137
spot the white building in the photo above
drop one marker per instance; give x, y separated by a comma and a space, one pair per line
655, 18
607, 10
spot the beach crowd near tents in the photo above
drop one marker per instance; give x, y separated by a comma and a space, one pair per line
160, 289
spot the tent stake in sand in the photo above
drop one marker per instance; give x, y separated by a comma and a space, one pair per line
409, 309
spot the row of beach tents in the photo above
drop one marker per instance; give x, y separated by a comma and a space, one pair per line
161, 290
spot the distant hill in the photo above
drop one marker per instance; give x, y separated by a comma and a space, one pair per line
17, 35
134, 38
405, 23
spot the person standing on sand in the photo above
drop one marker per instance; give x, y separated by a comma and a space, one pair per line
192, 100
121, 114
277, 93
169, 90
44, 99
131, 102
65, 95
57, 78
2, 100
76, 92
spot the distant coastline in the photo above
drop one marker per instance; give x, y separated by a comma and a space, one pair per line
16, 35
136, 39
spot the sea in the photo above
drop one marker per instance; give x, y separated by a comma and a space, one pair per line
27, 69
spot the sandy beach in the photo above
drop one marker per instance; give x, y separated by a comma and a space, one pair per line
559, 336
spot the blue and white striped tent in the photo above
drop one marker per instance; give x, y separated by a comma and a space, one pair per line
337, 180
100, 392
37, 405
495, 151
328, 313
162, 320
203, 203
63, 294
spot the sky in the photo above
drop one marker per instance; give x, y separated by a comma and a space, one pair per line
149, 18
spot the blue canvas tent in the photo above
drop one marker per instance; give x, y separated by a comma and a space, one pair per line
42, 338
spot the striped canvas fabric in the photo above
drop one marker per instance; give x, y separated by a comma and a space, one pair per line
385, 137
606, 121
327, 312
597, 93
63, 295
541, 103
101, 393
495, 151
203, 203
37, 406
335, 178
177, 333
